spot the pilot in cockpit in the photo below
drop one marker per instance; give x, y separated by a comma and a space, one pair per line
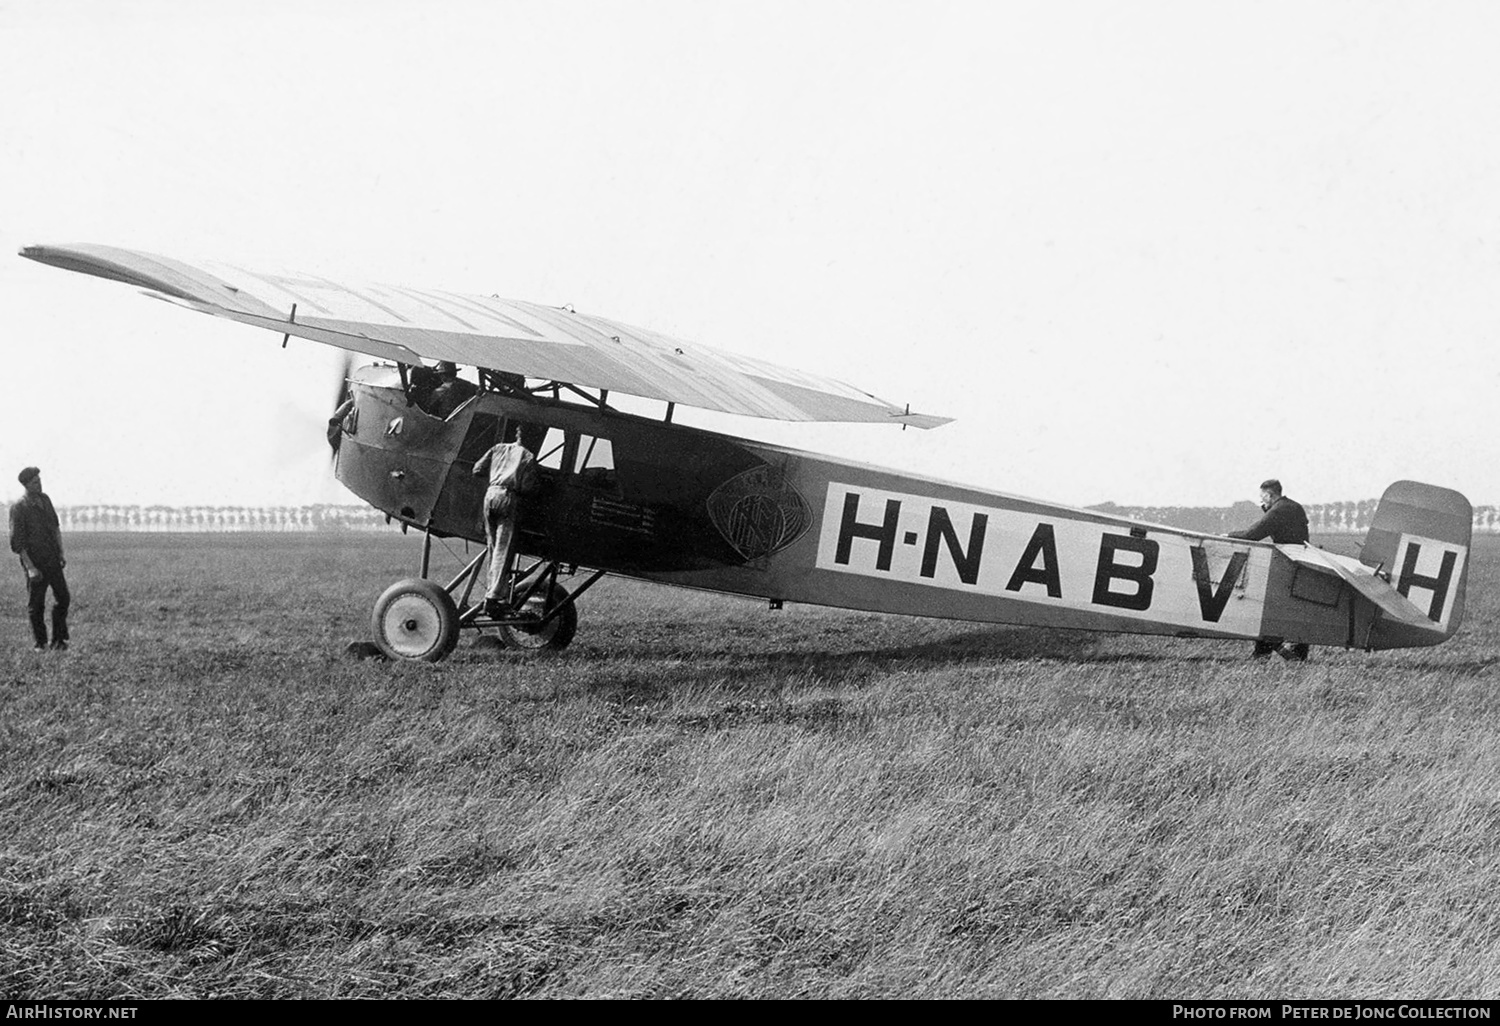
450, 392
420, 381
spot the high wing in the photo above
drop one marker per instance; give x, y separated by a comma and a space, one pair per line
407, 325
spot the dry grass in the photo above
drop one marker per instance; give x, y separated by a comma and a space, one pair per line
705, 798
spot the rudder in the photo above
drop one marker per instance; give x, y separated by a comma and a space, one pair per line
1420, 541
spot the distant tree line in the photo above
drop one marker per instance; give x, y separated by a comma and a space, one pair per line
322, 517
1325, 518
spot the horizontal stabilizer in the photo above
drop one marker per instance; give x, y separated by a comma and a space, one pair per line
1364, 581
920, 420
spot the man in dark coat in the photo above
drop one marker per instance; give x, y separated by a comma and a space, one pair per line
1284, 522
37, 539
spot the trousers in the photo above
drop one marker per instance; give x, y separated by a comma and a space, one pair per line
49, 577
500, 534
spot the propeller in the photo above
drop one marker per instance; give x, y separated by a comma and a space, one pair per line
343, 402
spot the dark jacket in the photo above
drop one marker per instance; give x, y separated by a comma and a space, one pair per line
34, 531
1285, 523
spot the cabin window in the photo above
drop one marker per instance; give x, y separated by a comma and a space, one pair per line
594, 463
589, 459
594, 454
550, 453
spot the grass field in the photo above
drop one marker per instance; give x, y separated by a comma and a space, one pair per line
706, 798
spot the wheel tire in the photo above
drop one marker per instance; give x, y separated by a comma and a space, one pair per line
415, 620
554, 637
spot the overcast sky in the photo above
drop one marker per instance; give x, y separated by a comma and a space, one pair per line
1145, 252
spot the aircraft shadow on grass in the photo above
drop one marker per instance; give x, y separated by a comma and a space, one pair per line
986, 644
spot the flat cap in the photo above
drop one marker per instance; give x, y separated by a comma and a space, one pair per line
28, 475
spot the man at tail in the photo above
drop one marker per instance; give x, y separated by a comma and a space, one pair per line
1284, 522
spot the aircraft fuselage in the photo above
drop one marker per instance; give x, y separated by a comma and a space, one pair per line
694, 508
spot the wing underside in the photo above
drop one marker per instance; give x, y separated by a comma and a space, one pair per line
408, 325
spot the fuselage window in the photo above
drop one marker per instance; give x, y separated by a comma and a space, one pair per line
587, 457
594, 463
550, 454
594, 454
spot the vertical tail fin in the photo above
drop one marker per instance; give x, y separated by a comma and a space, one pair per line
1420, 540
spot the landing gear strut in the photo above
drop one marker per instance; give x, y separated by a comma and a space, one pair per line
419, 620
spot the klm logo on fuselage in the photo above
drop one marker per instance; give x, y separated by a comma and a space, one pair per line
1035, 557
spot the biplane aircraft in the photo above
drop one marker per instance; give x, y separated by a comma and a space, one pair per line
643, 497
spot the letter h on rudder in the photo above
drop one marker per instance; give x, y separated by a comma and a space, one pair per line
1409, 578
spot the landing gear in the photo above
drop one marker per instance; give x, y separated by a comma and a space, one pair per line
419, 620
529, 628
416, 620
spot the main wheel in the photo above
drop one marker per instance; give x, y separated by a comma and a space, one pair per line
415, 620
553, 636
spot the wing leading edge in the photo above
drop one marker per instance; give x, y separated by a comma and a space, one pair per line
407, 325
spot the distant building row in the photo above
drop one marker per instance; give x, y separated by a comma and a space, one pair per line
1324, 518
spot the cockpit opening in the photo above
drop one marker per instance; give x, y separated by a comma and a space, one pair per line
438, 390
